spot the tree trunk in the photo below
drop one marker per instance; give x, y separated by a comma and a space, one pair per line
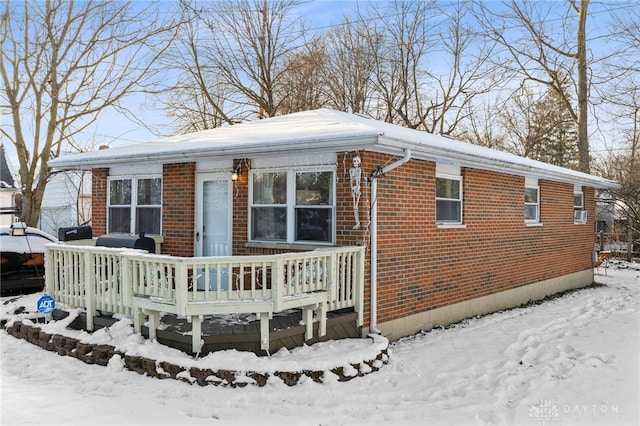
583, 91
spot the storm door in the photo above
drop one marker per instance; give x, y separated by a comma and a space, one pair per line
213, 226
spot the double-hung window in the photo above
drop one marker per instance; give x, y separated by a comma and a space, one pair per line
292, 205
134, 205
269, 206
531, 201
448, 195
579, 213
578, 202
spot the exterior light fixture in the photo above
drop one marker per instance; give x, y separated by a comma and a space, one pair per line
235, 173
18, 229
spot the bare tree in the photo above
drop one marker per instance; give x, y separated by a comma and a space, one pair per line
62, 64
431, 64
541, 53
198, 99
484, 125
468, 72
303, 86
234, 54
400, 65
352, 49
624, 167
194, 108
620, 94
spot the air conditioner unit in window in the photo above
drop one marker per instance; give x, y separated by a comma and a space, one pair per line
580, 216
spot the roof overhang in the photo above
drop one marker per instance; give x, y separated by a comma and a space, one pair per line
296, 146
503, 163
318, 131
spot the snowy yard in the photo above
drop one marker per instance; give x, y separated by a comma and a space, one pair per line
572, 360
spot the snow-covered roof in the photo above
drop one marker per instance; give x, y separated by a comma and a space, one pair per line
6, 177
322, 130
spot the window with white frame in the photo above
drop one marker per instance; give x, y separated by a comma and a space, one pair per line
578, 201
531, 201
292, 205
579, 213
134, 205
448, 194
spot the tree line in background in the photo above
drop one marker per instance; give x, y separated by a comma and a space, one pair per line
525, 77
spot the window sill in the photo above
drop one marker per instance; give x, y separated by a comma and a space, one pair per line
451, 226
285, 246
579, 223
532, 224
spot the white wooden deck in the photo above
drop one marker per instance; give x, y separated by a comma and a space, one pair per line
137, 284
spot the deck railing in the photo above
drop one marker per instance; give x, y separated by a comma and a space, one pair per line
134, 283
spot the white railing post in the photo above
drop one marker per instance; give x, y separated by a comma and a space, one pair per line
126, 284
359, 285
332, 277
181, 283
49, 272
88, 276
277, 282
264, 330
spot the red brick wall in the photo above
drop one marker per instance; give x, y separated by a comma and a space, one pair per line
345, 218
178, 208
240, 222
99, 201
421, 267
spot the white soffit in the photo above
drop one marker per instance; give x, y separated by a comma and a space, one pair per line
316, 159
448, 169
135, 169
203, 166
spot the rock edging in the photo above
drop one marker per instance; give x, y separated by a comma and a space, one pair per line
102, 354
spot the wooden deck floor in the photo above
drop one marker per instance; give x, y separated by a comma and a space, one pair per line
240, 332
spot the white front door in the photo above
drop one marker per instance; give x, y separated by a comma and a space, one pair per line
213, 226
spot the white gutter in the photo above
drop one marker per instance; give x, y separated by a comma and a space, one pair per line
373, 231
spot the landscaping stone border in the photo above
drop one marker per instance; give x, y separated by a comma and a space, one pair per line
102, 354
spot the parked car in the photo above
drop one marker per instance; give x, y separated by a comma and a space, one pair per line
22, 257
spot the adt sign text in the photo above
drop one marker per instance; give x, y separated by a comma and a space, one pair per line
46, 304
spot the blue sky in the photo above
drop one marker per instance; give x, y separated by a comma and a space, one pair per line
117, 130
318, 15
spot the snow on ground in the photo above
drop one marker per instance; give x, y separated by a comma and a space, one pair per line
572, 360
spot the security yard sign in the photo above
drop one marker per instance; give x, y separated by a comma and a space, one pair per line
46, 304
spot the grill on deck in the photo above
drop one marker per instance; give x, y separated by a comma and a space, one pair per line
125, 241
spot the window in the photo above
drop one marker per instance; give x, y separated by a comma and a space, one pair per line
292, 206
579, 214
448, 199
531, 204
134, 205
269, 210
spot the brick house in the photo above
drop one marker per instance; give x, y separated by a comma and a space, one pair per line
453, 230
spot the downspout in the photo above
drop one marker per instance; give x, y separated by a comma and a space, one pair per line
380, 171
